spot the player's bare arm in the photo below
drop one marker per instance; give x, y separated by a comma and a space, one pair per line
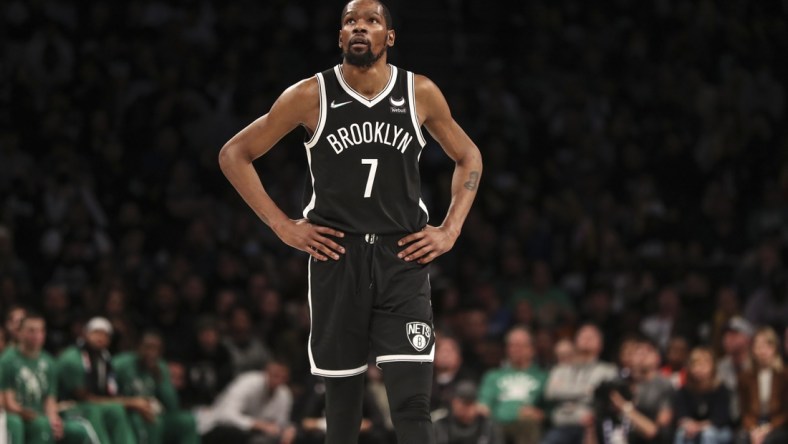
13, 406
424, 246
297, 106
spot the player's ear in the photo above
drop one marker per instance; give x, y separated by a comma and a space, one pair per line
390, 37
340, 38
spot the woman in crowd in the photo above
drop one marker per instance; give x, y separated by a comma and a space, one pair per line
703, 405
763, 393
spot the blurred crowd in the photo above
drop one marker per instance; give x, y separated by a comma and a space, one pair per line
636, 180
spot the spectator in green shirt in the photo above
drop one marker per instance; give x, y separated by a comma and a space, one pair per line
512, 394
86, 378
144, 374
29, 385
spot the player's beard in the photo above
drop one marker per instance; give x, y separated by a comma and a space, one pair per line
364, 59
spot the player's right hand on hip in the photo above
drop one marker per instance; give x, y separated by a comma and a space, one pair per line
305, 236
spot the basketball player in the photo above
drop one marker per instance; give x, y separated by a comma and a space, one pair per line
364, 224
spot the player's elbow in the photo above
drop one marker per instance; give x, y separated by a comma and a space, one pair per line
224, 155
472, 158
229, 155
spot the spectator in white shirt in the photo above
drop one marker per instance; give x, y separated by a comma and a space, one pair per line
254, 409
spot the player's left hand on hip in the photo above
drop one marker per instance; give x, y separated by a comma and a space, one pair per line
424, 246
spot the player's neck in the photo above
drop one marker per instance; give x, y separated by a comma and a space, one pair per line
368, 81
30, 353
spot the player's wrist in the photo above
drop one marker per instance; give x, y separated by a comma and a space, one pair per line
452, 231
277, 224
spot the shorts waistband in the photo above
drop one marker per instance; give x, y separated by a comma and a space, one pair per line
373, 239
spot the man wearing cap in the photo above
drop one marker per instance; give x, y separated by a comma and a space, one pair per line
86, 378
736, 341
464, 423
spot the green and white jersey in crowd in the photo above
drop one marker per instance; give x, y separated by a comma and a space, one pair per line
505, 390
71, 372
31, 379
134, 380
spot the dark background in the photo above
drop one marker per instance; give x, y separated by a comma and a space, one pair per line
629, 147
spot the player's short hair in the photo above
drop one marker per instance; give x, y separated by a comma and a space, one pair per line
31, 316
386, 13
520, 328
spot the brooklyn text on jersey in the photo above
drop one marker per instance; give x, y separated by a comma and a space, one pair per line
368, 132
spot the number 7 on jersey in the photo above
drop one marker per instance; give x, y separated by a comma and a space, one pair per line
373, 168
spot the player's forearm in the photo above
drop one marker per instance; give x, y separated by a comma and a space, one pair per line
11, 405
50, 407
465, 182
244, 178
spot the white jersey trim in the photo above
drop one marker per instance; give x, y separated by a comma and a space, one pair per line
369, 103
311, 205
338, 373
406, 358
321, 120
414, 118
412, 105
423, 206
313, 367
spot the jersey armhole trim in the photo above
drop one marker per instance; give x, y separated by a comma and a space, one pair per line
412, 104
321, 120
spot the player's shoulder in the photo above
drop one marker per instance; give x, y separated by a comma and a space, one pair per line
429, 99
70, 352
8, 357
423, 85
301, 96
123, 360
47, 357
11, 354
305, 87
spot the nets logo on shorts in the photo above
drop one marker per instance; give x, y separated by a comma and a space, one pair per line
418, 334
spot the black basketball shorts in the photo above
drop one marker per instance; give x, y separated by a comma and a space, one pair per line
368, 301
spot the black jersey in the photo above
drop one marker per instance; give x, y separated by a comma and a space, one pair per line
364, 158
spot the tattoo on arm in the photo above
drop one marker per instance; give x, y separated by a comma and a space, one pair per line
473, 181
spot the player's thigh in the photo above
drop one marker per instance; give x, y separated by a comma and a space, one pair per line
77, 432
340, 300
38, 431
15, 427
180, 427
401, 328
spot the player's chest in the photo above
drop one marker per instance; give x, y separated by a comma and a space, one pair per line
346, 136
33, 377
143, 385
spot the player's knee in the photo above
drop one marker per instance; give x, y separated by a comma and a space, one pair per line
412, 407
76, 432
15, 427
13, 420
40, 427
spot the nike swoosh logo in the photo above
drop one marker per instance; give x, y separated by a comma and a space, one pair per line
396, 102
337, 105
